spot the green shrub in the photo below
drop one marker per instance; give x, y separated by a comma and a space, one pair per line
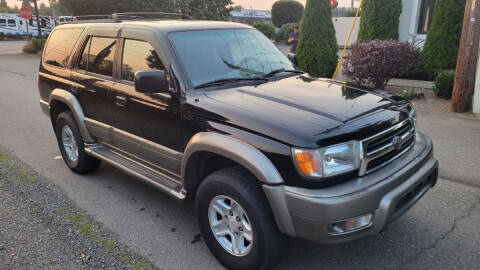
380, 19
317, 47
39, 43
266, 28
441, 47
34, 46
285, 31
444, 83
286, 11
415, 67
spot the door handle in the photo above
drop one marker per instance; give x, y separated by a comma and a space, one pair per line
121, 101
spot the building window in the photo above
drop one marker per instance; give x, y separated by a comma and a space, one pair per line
426, 15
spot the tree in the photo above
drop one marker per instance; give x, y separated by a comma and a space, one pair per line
205, 9
3, 4
286, 11
317, 47
380, 19
199, 9
441, 47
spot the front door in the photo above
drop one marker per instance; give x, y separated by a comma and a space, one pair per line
146, 125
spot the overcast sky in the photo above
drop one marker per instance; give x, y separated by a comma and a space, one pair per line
12, 3
255, 4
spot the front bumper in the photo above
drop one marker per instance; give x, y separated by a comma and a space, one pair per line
387, 194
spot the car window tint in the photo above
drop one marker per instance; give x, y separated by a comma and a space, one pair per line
138, 56
101, 55
3, 22
12, 23
60, 46
84, 59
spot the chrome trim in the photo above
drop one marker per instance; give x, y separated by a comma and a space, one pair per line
367, 157
45, 107
72, 102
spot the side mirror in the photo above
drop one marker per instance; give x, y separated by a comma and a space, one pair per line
151, 81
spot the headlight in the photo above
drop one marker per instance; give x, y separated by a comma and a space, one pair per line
328, 161
413, 116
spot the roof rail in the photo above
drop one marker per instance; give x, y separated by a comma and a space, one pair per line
119, 17
149, 15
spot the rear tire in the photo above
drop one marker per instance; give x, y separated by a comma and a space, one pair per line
246, 215
71, 145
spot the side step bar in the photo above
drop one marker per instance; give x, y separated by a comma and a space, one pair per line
154, 178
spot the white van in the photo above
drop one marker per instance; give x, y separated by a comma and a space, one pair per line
12, 25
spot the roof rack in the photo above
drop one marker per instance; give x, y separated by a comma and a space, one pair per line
149, 15
119, 17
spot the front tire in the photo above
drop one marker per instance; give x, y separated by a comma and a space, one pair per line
236, 221
72, 146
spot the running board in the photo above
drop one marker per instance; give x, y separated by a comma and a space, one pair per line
137, 170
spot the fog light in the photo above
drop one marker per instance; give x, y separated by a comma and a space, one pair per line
352, 224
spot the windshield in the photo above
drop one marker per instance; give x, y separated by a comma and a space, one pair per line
212, 55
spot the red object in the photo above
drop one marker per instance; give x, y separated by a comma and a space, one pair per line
25, 13
334, 3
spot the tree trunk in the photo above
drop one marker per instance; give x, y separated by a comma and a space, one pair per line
467, 58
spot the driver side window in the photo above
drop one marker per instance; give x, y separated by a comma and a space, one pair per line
139, 56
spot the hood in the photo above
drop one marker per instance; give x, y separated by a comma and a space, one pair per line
302, 111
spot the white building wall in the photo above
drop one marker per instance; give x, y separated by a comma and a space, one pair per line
409, 21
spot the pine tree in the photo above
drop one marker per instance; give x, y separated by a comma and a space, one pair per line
380, 19
441, 48
317, 47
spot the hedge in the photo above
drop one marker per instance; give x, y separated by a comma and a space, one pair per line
266, 28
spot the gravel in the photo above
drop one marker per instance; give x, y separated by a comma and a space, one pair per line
41, 228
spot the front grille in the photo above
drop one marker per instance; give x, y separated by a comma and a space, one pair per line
386, 146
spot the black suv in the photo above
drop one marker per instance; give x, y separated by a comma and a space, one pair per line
214, 112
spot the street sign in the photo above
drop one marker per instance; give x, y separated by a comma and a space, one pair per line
25, 13
334, 3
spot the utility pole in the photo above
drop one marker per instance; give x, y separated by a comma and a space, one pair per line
38, 18
353, 2
467, 58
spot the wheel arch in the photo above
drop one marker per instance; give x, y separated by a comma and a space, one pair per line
225, 150
60, 98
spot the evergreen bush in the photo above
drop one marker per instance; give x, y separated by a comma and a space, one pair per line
443, 39
317, 47
380, 19
444, 83
286, 11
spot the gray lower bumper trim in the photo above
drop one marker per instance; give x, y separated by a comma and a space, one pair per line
45, 107
307, 213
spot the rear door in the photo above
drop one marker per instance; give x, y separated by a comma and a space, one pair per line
94, 74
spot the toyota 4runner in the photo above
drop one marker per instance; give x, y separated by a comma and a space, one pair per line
214, 112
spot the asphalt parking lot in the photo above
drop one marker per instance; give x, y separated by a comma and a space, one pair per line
440, 232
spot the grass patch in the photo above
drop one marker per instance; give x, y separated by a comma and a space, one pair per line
25, 176
4, 157
90, 230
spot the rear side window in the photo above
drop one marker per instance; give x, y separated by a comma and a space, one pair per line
60, 46
3, 22
98, 55
12, 23
138, 56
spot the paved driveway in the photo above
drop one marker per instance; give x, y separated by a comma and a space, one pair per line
11, 46
441, 232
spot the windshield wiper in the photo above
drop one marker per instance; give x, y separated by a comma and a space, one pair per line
280, 70
229, 80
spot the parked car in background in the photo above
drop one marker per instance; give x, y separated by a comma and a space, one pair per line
213, 112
